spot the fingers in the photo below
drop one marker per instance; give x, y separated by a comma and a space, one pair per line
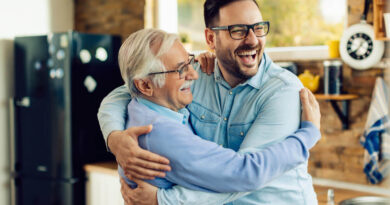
152, 157
312, 99
124, 191
139, 182
151, 165
137, 131
206, 61
303, 94
202, 62
143, 173
310, 107
210, 63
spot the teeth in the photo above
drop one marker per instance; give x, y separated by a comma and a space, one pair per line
247, 53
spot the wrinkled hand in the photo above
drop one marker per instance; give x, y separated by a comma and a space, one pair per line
136, 162
144, 194
206, 61
310, 107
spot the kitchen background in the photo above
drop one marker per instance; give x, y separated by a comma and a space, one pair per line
336, 160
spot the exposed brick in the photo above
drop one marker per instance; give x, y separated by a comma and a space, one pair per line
119, 17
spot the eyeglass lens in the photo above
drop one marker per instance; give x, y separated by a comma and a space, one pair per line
241, 31
183, 70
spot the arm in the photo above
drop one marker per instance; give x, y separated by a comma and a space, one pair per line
277, 119
112, 112
204, 165
124, 143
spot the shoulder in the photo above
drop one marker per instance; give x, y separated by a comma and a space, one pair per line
280, 76
277, 79
140, 115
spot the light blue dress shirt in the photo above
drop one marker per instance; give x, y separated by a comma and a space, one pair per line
202, 165
260, 112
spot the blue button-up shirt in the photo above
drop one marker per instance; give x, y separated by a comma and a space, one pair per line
249, 117
199, 164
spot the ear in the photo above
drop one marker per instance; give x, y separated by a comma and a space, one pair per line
210, 38
144, 86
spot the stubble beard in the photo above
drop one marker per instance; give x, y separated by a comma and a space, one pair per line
232, 66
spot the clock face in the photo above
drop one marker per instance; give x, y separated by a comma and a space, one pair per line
359, 46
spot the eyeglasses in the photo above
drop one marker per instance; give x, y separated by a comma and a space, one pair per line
240, 31
182, 70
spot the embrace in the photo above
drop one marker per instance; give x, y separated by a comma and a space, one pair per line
226, 130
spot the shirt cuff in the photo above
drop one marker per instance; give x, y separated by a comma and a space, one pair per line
309, 134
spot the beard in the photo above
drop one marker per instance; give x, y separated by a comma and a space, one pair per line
232, 66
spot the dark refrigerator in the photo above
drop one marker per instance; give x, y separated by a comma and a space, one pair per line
60, 81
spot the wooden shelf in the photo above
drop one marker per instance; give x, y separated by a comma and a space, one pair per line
336, 97
343, 112
379, 24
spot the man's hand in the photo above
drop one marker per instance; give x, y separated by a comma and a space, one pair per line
135, 161
310, 108
206, 61
144, 194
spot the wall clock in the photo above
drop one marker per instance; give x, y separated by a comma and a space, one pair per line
358, 47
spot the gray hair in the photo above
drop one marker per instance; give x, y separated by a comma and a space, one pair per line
139, 55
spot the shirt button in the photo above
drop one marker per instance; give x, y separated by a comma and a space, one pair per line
242, 133
230, 92
225, 118
202, 117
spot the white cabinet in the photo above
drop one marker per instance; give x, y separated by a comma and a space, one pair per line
103, 185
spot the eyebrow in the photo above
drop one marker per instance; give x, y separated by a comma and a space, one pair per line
182, 63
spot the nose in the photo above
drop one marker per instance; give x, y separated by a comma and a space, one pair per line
251, 38
191, 73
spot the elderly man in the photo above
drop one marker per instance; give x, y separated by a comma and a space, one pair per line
158, 73
248, 103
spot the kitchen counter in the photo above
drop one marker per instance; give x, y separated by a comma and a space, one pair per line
339, 194
102, 167
110, 168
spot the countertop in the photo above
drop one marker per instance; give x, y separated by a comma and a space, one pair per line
339, 194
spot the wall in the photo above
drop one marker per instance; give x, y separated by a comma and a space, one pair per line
339, 155
120, 17
6, 91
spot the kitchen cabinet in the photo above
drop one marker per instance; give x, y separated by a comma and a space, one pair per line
103, 185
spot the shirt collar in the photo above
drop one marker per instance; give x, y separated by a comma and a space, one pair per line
254, 81
180, 116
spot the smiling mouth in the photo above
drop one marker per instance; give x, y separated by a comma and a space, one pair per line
247, 57
185, 89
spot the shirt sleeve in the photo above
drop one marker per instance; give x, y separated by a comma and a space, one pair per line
112, 113
301, 141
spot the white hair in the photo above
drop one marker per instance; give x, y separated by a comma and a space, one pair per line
139, 55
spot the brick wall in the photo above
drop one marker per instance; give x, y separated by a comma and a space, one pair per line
339, 155
120, 17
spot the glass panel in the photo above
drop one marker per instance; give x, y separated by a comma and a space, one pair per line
292, 22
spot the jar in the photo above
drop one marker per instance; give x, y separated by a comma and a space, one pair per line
333, 77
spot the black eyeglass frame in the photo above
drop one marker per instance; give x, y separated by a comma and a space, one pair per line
246, 25
183, 68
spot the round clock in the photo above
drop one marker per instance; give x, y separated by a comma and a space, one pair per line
358, 47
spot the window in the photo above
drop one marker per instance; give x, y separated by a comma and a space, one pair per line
293, 23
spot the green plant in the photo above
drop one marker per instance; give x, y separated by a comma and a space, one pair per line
184, 38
